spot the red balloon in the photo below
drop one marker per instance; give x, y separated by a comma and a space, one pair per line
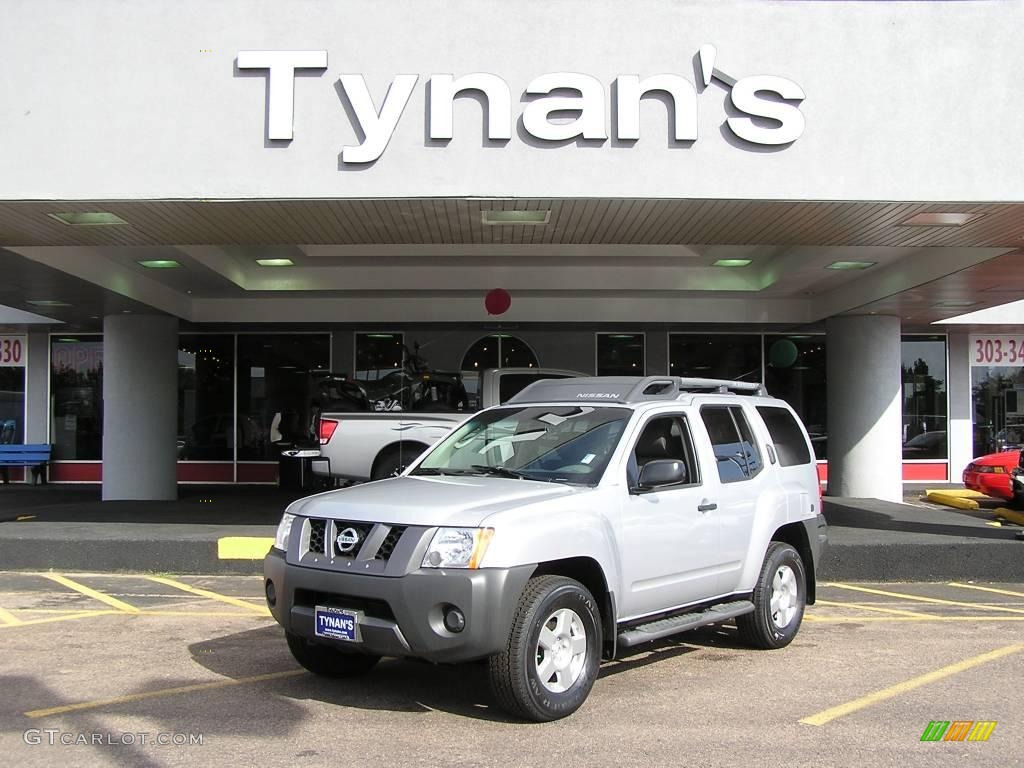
497, 301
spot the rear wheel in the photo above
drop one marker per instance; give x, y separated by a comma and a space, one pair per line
394, 461
779, 599
326, 661
553, 652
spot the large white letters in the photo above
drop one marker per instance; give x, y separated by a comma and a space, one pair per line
443, 90
377, 128
590, 104
564, 105
745, 98
281, 96
629, 89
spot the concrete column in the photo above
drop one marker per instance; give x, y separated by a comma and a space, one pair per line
140, 385
960, 431
37, 376
865, 453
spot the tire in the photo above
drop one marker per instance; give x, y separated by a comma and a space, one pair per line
394, 461
569, 615
326, 661
783, 577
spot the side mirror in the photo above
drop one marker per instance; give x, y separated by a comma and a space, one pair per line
659, 473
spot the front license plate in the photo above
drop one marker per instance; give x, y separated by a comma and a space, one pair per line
337, 624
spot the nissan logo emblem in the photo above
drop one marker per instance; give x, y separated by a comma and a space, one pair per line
347, 540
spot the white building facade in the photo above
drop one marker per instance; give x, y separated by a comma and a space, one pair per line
802, 192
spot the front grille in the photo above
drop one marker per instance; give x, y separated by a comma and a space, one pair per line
362, 531
317, 532
378, 609
390, 542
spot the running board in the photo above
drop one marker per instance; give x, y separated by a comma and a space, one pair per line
656, 630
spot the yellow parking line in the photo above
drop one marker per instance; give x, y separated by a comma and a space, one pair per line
260, 609
922, 599
865, 607
8, 618
113, 602
987, 589
828, 715
67, 617
97, 703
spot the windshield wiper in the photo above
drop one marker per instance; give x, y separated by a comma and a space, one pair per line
487, 469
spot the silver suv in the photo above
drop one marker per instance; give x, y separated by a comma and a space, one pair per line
583, 517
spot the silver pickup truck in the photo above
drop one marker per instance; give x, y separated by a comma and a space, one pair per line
583, 517
371, 446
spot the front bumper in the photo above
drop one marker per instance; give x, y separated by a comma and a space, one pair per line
402, 616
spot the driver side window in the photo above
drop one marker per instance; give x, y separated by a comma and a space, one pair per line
664, 437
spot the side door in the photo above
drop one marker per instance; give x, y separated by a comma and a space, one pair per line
669, 535
740, 465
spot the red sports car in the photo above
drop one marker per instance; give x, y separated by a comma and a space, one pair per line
991, 474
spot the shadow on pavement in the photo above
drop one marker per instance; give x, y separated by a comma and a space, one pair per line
870, 514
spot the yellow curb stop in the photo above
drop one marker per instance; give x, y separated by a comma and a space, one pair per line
952, 499
243, 547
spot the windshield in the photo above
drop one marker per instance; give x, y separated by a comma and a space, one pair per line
566, 444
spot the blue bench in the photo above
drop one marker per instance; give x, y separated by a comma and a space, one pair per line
35, 456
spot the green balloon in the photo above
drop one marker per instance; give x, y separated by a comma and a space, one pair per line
782, 354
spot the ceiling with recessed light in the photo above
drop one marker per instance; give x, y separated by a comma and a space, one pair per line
595, 260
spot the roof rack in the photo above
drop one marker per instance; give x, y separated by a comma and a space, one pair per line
629, 389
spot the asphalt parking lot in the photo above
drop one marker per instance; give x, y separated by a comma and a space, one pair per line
93, 665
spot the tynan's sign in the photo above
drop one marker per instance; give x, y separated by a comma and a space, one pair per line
759, 99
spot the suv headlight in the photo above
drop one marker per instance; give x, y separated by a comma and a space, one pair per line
457, 547
284, 530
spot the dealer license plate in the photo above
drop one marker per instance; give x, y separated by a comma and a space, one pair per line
337, 624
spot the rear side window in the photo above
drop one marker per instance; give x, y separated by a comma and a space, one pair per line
735, 450
789, 440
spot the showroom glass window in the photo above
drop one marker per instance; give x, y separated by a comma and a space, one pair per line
206, 397
76, 393
499, 350
276, 391
736, 357
12, 404
794, 371
620, 354
924, 397
381, 365
997, 395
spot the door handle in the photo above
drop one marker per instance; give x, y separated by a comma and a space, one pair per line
706, 506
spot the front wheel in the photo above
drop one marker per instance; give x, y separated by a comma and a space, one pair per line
553, 652
779, 599
326, 661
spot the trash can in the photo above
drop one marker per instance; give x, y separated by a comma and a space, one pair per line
293, 467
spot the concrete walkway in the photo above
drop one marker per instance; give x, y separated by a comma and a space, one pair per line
68, 527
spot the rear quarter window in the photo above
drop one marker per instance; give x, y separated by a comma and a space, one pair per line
786, 434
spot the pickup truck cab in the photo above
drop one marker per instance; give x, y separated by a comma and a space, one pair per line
378, 444
583, 517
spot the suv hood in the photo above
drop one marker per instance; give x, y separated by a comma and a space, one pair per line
432, 501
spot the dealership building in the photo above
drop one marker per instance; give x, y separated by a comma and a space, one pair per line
201, 203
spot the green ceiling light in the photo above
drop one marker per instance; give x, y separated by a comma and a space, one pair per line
380, 336
159, 264
47, 303
732, 263
851, 264
275, 262
88, 219
492, 218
